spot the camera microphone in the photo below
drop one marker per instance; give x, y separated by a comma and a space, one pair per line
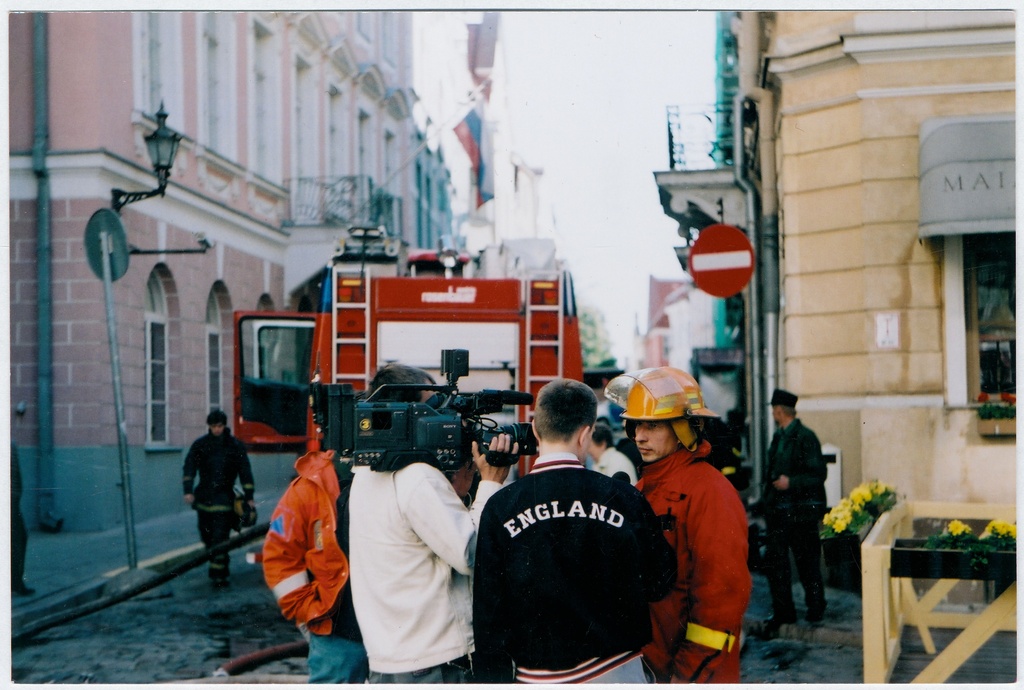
516, 398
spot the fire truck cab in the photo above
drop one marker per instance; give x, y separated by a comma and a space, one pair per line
513, 309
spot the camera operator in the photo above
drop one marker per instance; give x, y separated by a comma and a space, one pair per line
567, 562
413, 547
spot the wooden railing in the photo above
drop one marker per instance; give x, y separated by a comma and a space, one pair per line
890, 603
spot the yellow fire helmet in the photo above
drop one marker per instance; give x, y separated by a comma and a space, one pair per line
661, 394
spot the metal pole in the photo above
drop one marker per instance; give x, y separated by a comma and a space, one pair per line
115, 368
46, 507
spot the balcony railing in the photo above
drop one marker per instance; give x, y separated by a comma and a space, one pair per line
700, 137
343, 201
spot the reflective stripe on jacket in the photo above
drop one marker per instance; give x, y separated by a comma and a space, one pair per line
302, 540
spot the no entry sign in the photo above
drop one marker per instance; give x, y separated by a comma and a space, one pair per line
721, 260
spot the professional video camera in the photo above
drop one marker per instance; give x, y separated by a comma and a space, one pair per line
388, 435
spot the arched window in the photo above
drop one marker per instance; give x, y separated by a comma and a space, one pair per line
214, 367
156, 361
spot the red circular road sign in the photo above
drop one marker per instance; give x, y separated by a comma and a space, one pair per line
721, 260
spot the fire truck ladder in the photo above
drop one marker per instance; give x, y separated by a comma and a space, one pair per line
350, 320
545, 332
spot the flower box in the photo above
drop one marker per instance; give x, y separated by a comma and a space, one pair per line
845, 547
910, 558
840, 549
997, 427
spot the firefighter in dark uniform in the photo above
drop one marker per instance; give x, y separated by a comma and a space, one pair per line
794, 500
219, 458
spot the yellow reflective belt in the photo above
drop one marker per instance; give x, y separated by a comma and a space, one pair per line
728, 470
709, 638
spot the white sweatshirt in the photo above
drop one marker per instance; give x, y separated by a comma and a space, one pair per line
412, 550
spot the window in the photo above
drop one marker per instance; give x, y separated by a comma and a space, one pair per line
990, 294
213, 80
390, 160
266, 143
421, 212
157, 65
364, 24
153, 75
218, 85
336, 148
156, 361
427, 233
213, 354
305, 119
365, 143
389, 37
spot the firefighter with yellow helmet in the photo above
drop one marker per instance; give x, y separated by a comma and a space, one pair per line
697, 626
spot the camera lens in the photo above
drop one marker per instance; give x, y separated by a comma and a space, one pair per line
521, 433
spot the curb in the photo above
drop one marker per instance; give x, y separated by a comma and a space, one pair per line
815, 634
93, 590
50, 604
119, 585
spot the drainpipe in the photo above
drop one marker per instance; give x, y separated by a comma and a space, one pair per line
753, 311
45, 474
765, 297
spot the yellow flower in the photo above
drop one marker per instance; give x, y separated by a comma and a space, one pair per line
1000, 528
861, 495
878, 488
956, 528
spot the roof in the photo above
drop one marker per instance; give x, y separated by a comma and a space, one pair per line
661, 294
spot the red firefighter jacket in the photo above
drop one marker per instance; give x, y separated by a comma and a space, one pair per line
704, 521
302, 538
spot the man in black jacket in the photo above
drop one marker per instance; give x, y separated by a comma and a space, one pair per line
794, 498
219, 458
566, 562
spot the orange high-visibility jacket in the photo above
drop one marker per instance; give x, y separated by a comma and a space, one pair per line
302, 540
697, 626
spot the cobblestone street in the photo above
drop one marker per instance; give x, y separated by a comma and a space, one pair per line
179, 631
185, 630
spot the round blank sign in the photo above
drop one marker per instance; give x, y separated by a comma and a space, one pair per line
106, 221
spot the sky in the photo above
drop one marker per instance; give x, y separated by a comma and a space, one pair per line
587, 96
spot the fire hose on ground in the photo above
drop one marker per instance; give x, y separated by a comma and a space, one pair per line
256, 659
53, 620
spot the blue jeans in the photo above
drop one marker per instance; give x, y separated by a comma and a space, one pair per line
337, 660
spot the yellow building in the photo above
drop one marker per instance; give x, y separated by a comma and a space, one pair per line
879, 147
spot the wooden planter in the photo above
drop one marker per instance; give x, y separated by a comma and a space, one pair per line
911, 559
997, 427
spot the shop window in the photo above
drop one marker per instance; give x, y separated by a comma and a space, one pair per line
990, 293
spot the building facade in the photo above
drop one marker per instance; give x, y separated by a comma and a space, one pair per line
895, 160
295, 126
875, 155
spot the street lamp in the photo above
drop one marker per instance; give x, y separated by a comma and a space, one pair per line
107, 251
162, 145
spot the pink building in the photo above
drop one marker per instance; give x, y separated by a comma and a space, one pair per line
294, 125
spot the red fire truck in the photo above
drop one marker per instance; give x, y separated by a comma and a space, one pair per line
379, 303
